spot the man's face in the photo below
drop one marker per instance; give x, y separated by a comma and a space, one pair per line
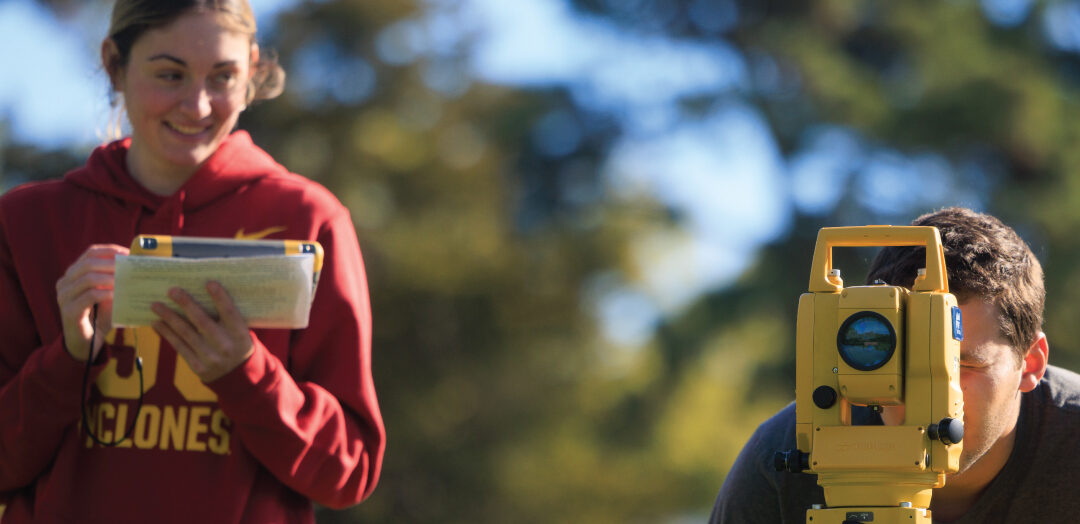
990, 376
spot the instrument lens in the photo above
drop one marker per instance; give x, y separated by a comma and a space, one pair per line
866, 341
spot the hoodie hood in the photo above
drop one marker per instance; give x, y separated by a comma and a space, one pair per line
237, 163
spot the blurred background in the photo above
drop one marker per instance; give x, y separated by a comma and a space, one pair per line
587, 222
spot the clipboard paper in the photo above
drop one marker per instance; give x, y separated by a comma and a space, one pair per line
270, 291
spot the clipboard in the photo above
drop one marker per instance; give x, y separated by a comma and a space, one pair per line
267, 280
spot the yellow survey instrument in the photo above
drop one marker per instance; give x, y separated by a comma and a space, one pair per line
876, 346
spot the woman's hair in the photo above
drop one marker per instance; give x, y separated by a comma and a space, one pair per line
985, 260
132, 18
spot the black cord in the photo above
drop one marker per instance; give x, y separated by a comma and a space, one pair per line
85, 387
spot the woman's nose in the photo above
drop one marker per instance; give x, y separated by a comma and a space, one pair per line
197, 102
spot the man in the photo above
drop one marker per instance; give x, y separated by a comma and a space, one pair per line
1021, 455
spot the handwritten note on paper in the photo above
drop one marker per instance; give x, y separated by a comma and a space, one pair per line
269, 291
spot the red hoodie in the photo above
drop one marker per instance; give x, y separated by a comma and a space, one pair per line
297, 422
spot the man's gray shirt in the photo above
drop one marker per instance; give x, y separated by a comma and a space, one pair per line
1039, 483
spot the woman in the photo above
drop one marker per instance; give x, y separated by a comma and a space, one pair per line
236, 425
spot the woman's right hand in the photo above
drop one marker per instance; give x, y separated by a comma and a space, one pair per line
87, 282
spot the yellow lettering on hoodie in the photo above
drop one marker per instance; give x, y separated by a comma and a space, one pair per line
121, 426
147, 427
148, 346
173, 427
104, 410
197, 428
219, 438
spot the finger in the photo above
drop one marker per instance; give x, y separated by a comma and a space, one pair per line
84, 301
231, 318
198, 317
89, 273
76, 315
183, 329
100, 256
75, 304
104, 315
179, 344
77, 325
91, 266
105, 250
66, 290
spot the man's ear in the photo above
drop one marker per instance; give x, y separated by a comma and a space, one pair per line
110, 60
1034, 363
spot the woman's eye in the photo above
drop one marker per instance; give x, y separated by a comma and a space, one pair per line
224, 78
169, 76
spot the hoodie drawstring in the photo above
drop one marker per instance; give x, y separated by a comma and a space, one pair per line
178, 213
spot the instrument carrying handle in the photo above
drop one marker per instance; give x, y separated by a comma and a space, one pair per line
935, 279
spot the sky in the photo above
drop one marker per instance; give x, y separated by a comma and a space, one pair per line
51, 90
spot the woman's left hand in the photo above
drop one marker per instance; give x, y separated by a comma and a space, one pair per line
211, 347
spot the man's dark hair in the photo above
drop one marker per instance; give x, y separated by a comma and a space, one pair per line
985, 260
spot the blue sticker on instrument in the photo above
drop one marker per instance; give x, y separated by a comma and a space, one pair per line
957, 324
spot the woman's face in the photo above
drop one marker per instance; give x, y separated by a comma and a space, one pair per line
184, 87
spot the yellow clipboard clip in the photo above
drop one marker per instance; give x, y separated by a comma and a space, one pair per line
204, 247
